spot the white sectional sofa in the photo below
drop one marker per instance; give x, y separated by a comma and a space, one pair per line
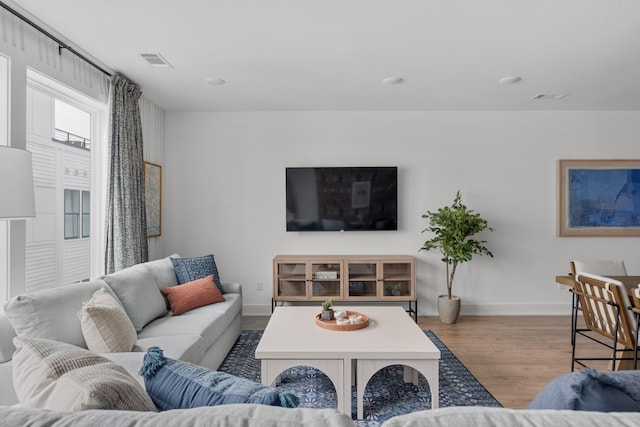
202, 336
253, 415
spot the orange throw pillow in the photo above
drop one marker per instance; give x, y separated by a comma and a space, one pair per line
183, 298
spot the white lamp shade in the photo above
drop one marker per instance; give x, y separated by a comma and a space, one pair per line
16, 184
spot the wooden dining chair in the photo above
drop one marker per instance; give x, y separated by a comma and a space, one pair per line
604, 304
635, 310
601, 267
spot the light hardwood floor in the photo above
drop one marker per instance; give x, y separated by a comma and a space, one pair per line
513, 357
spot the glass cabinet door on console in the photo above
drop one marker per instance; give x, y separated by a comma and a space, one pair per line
291, 281
362, 280
398, 280
326, 280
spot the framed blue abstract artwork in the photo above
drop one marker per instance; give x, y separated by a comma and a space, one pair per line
598, 198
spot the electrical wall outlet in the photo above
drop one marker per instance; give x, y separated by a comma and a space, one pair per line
258, 286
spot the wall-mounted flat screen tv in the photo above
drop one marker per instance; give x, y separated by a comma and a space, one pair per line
342, 198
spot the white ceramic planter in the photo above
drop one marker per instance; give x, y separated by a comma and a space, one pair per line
448, 309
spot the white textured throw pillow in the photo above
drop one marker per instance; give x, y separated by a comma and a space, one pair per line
62, 377
105, 325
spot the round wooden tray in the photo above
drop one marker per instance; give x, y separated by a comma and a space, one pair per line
333, 326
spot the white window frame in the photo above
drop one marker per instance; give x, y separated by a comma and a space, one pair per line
99, 151
85, 216
5, 66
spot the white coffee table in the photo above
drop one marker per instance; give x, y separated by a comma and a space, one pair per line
292, 338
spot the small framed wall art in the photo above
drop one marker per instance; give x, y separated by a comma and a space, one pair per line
598, 197
153, 198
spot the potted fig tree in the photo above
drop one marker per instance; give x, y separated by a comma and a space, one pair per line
453, 228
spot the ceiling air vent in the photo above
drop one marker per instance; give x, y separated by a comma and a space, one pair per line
155, 60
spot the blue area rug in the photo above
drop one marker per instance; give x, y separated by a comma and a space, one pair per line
386, 394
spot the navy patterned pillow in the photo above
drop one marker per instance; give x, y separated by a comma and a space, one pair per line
190, 269
174, 384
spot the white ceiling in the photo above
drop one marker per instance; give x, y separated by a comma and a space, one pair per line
333, 54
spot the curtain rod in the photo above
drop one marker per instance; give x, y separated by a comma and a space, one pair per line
61, 44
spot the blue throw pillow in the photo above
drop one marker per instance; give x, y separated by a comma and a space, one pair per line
173, 384
590, 390
190, 269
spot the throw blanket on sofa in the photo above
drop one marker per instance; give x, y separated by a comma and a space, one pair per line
173, 384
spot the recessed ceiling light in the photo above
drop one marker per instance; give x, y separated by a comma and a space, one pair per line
392, 80
510, 80
215, 81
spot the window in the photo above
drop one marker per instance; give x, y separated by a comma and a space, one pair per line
75, 217
71, 214
86, 214
72, 125
64, 244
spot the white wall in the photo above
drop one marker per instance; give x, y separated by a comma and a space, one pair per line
224, 193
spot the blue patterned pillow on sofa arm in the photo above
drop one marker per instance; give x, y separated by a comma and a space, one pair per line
190, 269
174, 384
590, 390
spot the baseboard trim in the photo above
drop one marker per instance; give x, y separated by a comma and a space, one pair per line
256, 310
516, 309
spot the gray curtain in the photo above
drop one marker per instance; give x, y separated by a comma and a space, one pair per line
126, 240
